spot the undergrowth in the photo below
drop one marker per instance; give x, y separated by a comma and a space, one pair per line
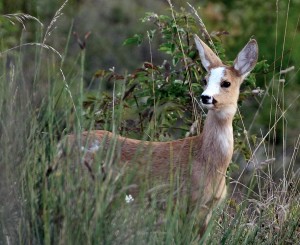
153, 102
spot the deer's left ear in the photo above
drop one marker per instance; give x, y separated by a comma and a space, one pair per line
246, 59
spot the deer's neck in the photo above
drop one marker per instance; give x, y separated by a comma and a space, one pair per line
216, 140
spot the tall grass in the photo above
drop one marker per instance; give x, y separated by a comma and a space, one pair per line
69, 206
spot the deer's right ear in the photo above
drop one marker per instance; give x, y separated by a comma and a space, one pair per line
246, 59
208, 58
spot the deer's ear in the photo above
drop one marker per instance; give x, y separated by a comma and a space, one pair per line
246, 59
208, 58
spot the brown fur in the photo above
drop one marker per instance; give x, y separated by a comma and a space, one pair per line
198, 160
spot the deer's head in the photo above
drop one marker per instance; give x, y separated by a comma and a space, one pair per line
222, 83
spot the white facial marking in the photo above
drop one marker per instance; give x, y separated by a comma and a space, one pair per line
213, 84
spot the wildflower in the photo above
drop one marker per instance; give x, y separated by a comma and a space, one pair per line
129, 198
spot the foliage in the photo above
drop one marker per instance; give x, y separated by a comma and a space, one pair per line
163, 96
68, 206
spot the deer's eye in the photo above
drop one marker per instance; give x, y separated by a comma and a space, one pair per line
225, 84
204, 81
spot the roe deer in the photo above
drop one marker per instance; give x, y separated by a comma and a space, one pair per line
201, 160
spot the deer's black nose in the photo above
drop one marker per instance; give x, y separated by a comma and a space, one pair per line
206, 99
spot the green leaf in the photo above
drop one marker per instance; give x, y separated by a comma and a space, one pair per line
167, 48
164, 18
261, 66
192, 54
135, 40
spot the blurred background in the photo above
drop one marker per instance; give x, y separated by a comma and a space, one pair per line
105, 24
275, 24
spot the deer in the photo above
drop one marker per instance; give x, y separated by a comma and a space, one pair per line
202, 160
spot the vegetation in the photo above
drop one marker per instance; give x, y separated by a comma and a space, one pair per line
48, 90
